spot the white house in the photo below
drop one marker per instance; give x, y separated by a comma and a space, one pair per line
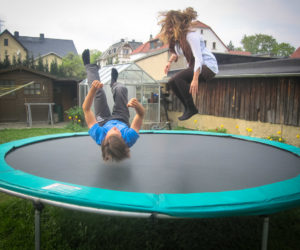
118, 53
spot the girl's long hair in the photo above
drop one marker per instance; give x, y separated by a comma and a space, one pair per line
175, 24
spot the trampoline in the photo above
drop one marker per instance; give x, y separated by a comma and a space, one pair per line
170, 174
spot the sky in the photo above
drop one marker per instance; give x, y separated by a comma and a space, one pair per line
97, 24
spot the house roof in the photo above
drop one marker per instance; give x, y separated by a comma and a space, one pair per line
129, 74
276, 67
199, 24
235, 52
296, 54
152, 53
38, 46
36, 72
132, 44
269, 68
145, 48
203, 25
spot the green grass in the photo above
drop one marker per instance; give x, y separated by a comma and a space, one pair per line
67, 229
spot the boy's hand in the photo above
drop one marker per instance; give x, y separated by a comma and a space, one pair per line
134, 103
97, 84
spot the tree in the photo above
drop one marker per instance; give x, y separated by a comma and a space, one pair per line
46, 68
259, 43
72, 66
19, 60
54, 67
40, 65
265, 44
31, 62
6, 62
14, 61
26, 62
283, 50
230, 46
95, 54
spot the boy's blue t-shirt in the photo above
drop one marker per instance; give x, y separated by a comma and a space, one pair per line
98, 132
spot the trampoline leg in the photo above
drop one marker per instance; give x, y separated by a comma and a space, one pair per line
264, 243
37, 224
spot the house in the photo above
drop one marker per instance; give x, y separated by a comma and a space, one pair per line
296, 53
118, 53
21, 47
45, 89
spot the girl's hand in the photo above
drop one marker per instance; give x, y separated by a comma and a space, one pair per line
167, 68
194, 87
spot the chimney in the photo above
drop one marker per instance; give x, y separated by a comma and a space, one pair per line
16, 34
42, 36
151, 37
122, 40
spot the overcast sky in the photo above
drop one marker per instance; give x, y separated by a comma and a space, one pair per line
96, 24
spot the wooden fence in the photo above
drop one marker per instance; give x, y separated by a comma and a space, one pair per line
265, 99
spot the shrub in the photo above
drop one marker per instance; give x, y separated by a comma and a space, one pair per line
76, 118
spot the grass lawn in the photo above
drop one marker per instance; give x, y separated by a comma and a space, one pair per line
67, 229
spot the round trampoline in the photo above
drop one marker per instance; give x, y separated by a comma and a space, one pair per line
173, 173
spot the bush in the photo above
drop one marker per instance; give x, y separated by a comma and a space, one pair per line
275, 138
76, 117
218, 130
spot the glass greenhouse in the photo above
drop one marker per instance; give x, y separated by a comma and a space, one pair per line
139, 84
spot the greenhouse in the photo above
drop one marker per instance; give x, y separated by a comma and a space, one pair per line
139, 84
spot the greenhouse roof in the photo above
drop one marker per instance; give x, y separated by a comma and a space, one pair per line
129, 74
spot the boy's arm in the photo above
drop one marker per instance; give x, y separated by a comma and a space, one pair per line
87, 104
140, 111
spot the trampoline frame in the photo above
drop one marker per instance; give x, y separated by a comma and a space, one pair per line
38, 200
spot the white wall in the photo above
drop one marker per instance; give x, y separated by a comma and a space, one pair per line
210, 37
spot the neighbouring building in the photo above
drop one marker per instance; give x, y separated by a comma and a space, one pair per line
21, 47
46, 89
118, 53
296, 53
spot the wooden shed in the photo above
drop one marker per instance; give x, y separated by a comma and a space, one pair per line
63, 93
265, 91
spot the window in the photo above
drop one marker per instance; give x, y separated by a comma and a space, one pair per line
205, 43
5, 42
7, 85
33, 89
201, 31
214, 46
125, 51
